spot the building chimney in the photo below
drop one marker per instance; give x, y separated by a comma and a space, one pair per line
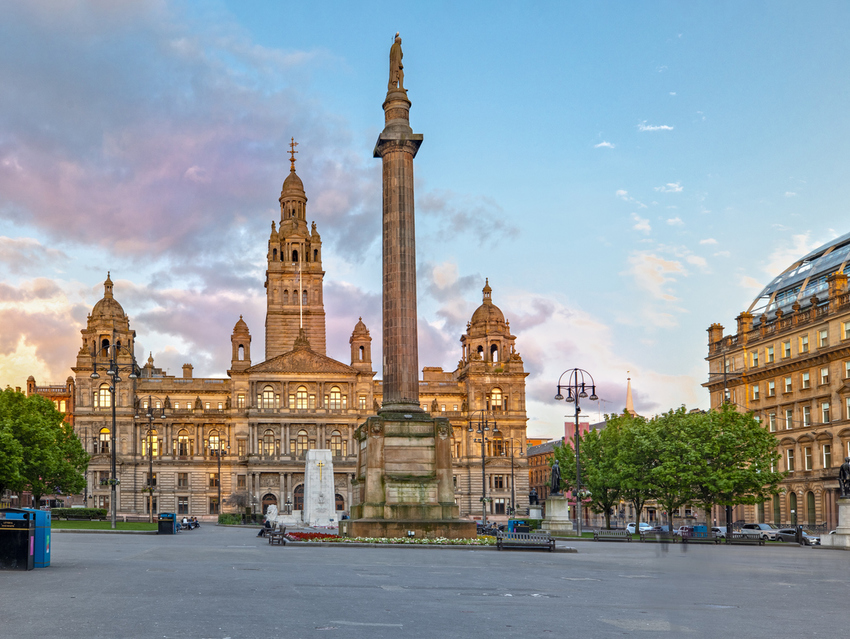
187, 371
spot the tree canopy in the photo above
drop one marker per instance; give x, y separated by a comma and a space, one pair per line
39, 452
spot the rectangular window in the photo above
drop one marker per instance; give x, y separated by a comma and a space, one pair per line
183, 479
148, 504
214, 506
771, 389
361, 403
443, 410
240, 401
770, 357
827, 456
454, 406
182, 505
823, 338
207, 407
807, 416
786, 349
845, 330
771, 421
240, 481
807, 457
213, 481
789, 418
824, 411
804, 381
221, 406
789, 460
787, 384
292, 402
311, 403
804, 344
824, 375
499, 505
754, 359
242, 447
755, 391
846, 370
498, 482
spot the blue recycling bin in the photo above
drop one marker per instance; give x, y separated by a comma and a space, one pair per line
167, 524
17, 539
518, 525
700, 532
41, 544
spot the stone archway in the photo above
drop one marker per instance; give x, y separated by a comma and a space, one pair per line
298, 497
268, 500
340, 502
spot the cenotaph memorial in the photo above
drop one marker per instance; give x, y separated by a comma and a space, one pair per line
319, 495
841, 537
403, 480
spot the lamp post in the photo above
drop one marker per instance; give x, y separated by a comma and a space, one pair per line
513, 481
483, 427
109, 356
579, 381
149, 414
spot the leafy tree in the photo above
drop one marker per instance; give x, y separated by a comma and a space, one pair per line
52, 458
11, 458
636, 457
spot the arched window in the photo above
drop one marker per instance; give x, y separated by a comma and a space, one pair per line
496, 399
336, 444
241, 353
304, 297
286, 296
150, 438
481, 352
214, 442
268, 442
183, 443
268, 397
494, 353
498, 446
103, 399
301, 444
792, 508
335, 400
103, 441
274, 255
301, 398
761, 512
298, 497
294, 256
340, 502
777, 510
362, 350
315, 255
104, 347
811, 513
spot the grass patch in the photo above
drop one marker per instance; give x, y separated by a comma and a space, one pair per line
103, 525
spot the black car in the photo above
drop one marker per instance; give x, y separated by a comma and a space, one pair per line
790, 534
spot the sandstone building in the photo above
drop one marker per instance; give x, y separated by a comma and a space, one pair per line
267, 414
789, 362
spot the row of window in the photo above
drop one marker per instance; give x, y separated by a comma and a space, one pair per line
784, 349
786, 420
787, 383
808, 457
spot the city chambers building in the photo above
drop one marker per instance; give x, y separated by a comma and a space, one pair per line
268, 413
789, 363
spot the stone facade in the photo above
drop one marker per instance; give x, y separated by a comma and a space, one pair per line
266, 415
789, 363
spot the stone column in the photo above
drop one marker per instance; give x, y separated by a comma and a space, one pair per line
397, 146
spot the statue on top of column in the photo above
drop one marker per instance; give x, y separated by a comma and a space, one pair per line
396, 67
844, 478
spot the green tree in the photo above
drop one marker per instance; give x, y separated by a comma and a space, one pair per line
52, 459
636, 458
11, 459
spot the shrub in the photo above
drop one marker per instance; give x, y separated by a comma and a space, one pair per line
229, 518
93, 513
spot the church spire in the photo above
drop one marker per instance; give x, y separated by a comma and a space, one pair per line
630, 405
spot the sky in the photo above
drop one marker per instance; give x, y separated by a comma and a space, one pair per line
624, 173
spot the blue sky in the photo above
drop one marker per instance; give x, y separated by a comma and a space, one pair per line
624, 173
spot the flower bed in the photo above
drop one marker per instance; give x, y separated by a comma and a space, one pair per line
437, 541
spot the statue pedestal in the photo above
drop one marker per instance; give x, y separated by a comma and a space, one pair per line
535, 511
841, 538
557, 521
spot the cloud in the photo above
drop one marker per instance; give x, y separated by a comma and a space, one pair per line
453, 213
624, 195
675, 221
790, 194
652, 274
643, 126
696, 260
606, 145
670, 187
27, 255
641, 224
672, 93
722, 254
788, 252
708, 240
750, 283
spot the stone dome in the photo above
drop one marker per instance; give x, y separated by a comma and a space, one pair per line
292, 184
108, 307
487, 313
360, 328
241, 326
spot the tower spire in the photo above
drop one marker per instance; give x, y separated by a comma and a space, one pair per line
630, 405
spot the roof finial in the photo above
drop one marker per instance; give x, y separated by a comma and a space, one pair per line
292, 153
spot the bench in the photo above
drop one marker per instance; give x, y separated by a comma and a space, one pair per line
611, 535
657, 535
746, 538
79, 519
701, 538
277, 536
524, 540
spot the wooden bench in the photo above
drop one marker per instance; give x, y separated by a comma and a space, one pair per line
524, 540
746, 538
277, 536
701, 538
657, 535
611, 535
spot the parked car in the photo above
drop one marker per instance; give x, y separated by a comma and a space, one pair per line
790, 534
644, 527
660, 529
719, 532
682, 531
768, 531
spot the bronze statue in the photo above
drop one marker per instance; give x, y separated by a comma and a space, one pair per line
396, 67
844, 478
555, 482
533, 499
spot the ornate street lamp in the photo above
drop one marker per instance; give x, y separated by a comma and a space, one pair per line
150, 415
578, 383
483, 428
109, 360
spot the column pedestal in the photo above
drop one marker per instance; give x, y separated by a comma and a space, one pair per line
841, 538
557, 521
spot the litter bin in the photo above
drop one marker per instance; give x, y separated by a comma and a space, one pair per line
518, 525
17, 539
42, 534
167, 524
700, 532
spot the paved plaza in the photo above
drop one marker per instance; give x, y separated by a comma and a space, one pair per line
225, 582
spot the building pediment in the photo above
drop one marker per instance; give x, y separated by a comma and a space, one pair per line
302, 361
